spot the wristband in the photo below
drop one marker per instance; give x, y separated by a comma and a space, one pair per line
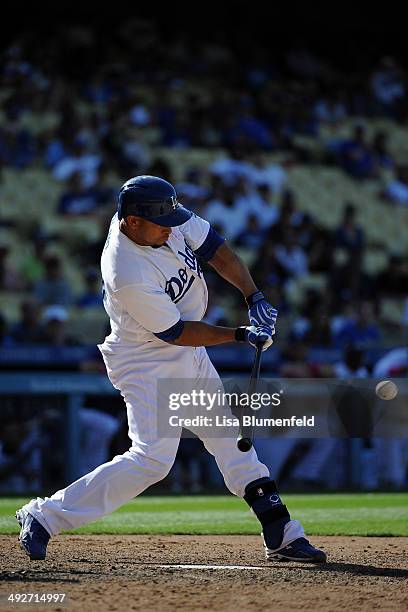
240, 335
254, 297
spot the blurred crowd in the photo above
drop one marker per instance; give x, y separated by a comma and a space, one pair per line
76, 103
317, 464
25, 446
93, 115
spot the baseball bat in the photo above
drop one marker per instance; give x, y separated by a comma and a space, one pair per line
244, 440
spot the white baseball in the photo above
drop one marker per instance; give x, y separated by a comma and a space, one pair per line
386, 390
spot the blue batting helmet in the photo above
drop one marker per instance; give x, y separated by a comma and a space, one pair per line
153, 199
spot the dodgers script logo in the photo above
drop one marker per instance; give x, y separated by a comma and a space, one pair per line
177, 286
190, 259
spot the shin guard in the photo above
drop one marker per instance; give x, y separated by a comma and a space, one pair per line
263, 498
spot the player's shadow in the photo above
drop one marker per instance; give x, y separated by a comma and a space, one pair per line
356, 569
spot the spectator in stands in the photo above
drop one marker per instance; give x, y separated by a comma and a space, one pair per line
250, 201
264, 206
318, 333
97, 430
17, 145
76, 200
53, 288
266, 270
361, 330
231, 168
290, 257
98, 89
348, 234
92, 297
355, 155
192, 189
317, 242
188, 472
330, 109
396, 191
32, 266
54, 328
311, 301
133, 150
383, 159
313, 325
342, 313
56, 147
10, 279
20, 457
90, 253
247, 126
107, 189
221, 211
253, 235
387, 83
348, 281
263, 172
296, 362
79, 159
352, 365
28, 329
288, 217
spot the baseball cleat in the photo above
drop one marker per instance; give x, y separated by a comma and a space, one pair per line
298, 550
33, 537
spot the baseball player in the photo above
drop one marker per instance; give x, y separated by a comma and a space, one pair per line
155, 295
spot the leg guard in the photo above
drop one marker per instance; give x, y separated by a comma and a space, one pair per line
284, 539
263, 498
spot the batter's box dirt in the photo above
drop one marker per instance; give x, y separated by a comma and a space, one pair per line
160, 573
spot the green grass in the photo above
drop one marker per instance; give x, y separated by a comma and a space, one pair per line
380, 514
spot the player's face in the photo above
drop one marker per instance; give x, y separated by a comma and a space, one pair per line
147, 233
155, 235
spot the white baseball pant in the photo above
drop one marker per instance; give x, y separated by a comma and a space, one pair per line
150, 458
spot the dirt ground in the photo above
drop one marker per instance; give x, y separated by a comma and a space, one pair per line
123, 573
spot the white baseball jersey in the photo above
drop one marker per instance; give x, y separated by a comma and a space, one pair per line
148, 289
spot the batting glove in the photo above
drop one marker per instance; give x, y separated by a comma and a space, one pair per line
260, 312
261, 334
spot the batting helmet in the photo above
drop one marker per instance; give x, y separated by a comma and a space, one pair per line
153, 199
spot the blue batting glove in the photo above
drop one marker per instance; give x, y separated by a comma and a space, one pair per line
262, 334
260, 312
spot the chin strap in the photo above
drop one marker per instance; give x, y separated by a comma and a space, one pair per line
263, 497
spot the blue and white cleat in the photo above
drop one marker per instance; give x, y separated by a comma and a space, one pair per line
33, 537
298, 550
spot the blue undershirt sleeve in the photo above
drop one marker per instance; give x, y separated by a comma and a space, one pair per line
207, 250
168, 335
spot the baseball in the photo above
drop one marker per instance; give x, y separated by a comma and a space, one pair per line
386, 390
